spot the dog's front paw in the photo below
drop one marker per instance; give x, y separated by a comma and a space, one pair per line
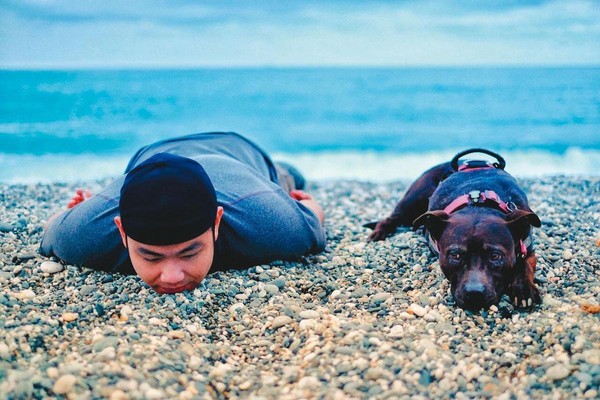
381, 230
378, 234
524, 294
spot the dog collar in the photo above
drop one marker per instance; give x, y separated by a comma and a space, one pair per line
487, 198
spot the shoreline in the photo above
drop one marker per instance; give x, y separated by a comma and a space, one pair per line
361, 320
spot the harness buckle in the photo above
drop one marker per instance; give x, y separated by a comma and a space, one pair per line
474, 195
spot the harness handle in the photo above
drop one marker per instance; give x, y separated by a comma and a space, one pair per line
499, 164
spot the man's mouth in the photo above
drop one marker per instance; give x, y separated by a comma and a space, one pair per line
173, 289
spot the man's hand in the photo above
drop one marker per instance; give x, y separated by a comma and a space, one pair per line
80, 196
300, 195
309, 202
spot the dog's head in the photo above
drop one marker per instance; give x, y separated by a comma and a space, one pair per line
478, 251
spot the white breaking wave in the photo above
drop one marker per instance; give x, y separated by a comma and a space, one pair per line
383, 167
26, 168
364, 166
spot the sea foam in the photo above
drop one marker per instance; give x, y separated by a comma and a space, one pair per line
353, 165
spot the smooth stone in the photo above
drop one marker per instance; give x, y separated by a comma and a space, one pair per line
154, 394
280, 321
416, 310
219, 371
51, 267
308, 324
309, 314
592, 356
178, 334
374, 373
4, 350
237, 306
309, 383
194, 363
127, 385
64, 384
5, 227
271, 289
108, 341
345, 350
87, 289
380, 297
52, 373
26, 294
27, 256
567, 254
107, 354
69, 316
397, 331
118, 394
245, 385
279, 282
557, 372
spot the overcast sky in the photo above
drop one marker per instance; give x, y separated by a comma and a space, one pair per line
182, 33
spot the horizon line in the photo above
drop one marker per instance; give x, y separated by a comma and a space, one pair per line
123, 67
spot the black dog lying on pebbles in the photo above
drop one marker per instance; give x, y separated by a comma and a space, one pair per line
478, 221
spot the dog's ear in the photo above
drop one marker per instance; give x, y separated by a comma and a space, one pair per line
370, 225
434, 221
520, 222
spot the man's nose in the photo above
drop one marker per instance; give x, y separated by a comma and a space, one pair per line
172, 273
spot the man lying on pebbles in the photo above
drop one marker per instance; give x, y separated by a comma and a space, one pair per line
165, 221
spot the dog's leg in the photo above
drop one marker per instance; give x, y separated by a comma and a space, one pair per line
414, 203
522, 291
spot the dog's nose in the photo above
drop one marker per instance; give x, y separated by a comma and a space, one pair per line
474, 295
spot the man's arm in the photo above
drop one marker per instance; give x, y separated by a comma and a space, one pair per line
80, 196
85, 234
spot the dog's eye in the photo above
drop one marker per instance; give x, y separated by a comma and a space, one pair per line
454, 256
495, 256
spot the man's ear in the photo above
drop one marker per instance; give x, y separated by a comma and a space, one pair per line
121, 231
434, 221
218, 221
520, 222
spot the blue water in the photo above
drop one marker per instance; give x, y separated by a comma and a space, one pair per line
51, 117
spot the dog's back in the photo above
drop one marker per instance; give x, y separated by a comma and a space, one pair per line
462, 182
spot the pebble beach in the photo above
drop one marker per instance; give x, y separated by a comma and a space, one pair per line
359, 321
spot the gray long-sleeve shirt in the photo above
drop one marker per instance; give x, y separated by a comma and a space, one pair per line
261, 222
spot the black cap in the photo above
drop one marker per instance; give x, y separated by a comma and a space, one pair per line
167, 199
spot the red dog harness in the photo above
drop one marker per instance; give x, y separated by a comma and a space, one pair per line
487, 198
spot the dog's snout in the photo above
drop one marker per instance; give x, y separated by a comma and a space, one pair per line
475, 295
474, 288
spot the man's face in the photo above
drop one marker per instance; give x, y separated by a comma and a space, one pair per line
173, 268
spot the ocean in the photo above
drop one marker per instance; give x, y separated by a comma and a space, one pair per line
378, 124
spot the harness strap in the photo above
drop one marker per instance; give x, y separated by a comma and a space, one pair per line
487, 197
474, 165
